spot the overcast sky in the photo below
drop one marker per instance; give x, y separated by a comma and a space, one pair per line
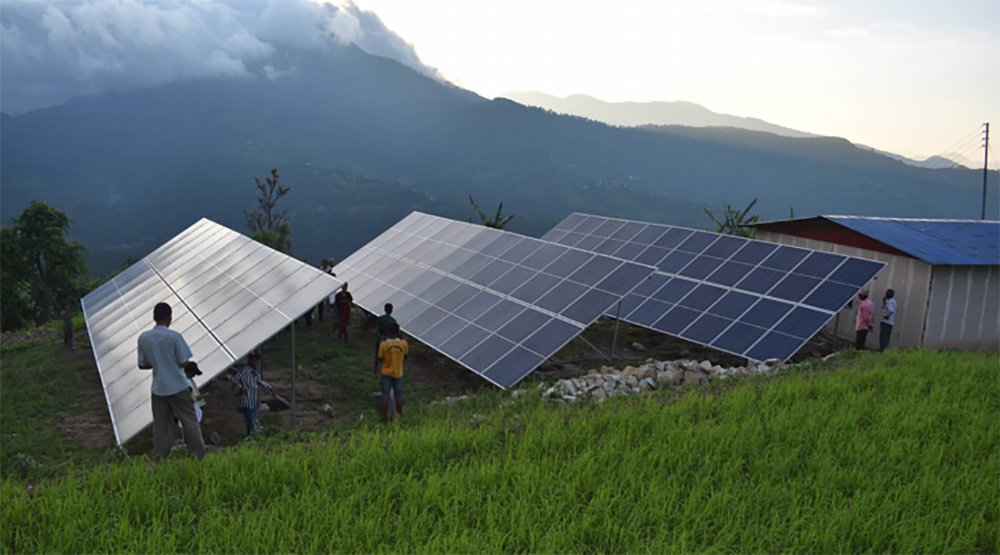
913, 76
916, 77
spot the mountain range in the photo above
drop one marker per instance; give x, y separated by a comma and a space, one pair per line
634, 114
363, 140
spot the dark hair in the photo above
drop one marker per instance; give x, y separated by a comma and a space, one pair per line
161, 312
388, 308
889, 293
394, 329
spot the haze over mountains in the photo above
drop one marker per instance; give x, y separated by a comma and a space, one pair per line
635, 114
364, 139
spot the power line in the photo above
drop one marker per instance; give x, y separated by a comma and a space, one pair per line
962, 147
975, 135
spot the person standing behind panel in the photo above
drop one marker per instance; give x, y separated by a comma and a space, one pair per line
383, 322
191, 370
888, 319
865, 320
392, 351
165, 352
342, 302
249, 382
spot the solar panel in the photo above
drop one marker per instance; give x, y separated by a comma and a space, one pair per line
751, 298
496, 302
228, 294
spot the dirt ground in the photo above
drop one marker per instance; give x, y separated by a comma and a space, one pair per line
347, 396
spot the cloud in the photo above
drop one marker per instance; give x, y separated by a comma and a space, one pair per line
772, 8
53, 51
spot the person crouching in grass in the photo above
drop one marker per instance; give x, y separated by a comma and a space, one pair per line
248, 382
392, 351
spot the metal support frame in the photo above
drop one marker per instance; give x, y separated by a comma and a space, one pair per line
293, 374
594, 347
614, 338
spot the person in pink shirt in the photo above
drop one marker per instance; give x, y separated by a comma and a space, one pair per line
865, 321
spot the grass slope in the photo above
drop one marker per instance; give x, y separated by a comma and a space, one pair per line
898, 453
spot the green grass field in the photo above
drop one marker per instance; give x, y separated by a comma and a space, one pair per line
891, 453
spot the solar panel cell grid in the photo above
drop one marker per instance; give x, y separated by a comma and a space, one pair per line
512, 366
652, 255
623, 279
535, 287
649, 312
550, 337
464, 340
594, 270
500, 314
519, 251
587, 307
673, 237
675, 261
753, 282
628, 231
729, 273
733, 304
487, 352
543, 256
204, 273
675, 320
496, 279
609, 246
588, 243
500, 245
442, 330
561, 296
701, 267
630, 303
706, 328
738, 338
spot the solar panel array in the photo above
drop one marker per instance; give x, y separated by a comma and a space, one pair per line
228, 294
751, 298
496, 302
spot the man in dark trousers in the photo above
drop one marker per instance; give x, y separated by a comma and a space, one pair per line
383, 322
392, 351
165, 352
342, 303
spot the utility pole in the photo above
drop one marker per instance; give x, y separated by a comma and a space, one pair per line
986, 159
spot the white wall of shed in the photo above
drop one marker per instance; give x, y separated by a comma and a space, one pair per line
964, 308
908, 277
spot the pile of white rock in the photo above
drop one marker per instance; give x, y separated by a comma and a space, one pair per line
606, 382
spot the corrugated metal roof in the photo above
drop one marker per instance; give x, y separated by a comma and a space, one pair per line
948, 242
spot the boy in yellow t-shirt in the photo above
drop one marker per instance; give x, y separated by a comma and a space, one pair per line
392, 351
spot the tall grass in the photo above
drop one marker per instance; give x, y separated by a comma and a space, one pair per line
898, 453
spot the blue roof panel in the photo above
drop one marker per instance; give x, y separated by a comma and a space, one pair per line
946, 242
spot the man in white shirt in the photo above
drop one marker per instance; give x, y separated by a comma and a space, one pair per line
165, 352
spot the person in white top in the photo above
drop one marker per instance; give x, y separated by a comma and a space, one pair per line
165, 352
888, 319
191, 370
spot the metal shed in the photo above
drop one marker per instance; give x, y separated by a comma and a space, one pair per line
946, 274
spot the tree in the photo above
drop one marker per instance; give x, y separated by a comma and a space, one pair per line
43, 274
498, 221
268, 225
736, 222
